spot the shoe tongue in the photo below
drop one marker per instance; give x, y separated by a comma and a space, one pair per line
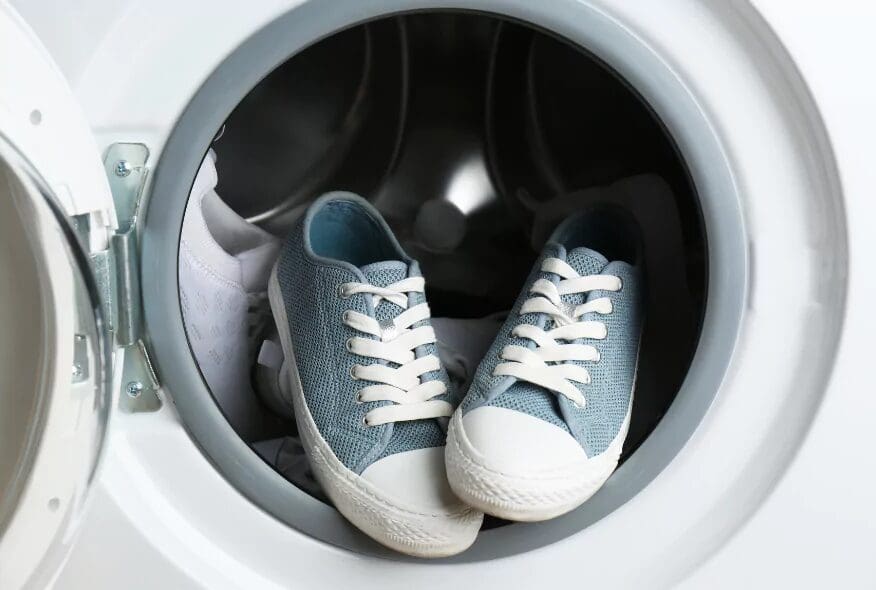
381, 274
586, 261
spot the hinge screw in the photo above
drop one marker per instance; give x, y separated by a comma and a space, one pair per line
134, 388
123, 168
77, 371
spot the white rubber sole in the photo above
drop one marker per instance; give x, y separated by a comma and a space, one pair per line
402, 528
528, 497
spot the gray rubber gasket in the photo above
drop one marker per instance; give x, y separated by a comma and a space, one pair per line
577, 22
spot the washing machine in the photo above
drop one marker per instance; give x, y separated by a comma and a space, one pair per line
739, 133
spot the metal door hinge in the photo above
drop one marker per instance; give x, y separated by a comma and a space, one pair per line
125, 166
117, 271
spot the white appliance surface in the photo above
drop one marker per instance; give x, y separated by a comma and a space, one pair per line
161, 516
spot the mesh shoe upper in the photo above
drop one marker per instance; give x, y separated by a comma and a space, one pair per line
609, 392
310, 286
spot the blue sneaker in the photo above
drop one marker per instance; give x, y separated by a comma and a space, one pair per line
543, 424
369, 394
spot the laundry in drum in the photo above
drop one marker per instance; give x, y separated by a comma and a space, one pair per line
389, 419
482, 330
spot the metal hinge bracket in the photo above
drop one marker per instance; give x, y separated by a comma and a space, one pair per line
118, 275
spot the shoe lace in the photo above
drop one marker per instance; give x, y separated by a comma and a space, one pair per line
397, 375
549, 364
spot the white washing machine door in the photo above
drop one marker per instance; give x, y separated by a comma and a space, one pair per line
55, 394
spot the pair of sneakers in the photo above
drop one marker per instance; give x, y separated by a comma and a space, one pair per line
540, 428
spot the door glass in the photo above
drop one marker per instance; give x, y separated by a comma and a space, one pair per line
54, 369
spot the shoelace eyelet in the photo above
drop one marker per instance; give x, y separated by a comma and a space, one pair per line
547, 298
399, 341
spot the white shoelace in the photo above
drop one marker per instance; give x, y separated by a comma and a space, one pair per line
396, 343
531, 365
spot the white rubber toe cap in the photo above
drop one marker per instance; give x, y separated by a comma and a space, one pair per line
517, 443
416, 480
406, 503
515, 466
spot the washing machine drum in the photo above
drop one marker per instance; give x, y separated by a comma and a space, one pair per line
474, 136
